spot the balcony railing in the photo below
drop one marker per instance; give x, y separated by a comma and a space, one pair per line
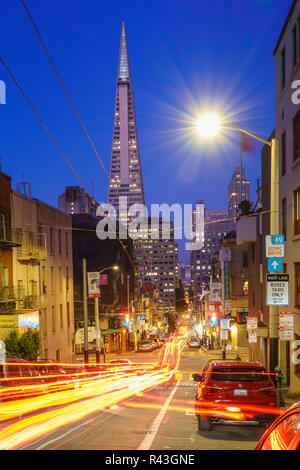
11, 294
9, 238
21, 301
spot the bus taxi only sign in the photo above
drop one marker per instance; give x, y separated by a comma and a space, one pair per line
277, 289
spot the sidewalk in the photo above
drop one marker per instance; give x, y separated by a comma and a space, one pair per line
243, 353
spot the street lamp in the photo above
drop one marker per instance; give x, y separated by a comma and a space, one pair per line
208, 126
97, 328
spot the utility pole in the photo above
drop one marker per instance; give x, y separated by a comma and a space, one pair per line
223, 309
274, 230
97, 329
85, 314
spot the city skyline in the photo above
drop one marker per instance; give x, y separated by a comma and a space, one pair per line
157, 115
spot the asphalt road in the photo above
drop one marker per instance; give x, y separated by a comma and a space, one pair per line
161, 419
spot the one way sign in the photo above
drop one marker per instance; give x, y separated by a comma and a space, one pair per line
275, 265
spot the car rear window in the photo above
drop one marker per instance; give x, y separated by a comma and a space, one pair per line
235, 374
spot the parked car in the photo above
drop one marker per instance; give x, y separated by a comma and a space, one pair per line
234, 392
193, 343
146, 346
50, 370
284, 433
16, 376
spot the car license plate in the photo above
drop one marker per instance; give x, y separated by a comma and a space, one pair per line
240, 392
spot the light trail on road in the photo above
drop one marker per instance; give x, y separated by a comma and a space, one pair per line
89, 394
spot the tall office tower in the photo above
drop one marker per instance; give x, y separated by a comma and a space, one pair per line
234, 192
217, 225
76, 201
156, 260
125, 170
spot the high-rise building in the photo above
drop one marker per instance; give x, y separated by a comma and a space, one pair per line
155, 260
125, 171
236, 193
217, 225
76, 201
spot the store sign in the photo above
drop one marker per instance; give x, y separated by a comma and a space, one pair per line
277, 289
286, 326
9, 321
225, 254
227, 280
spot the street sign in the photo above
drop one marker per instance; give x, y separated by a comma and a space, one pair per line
224, 323
275, 246
277, 289
252, 336
274, 265
286, 326
223, 335
97, 334
251, 323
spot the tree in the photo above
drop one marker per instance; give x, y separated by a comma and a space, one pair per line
245, 207
25, 346
12, 343
29, 344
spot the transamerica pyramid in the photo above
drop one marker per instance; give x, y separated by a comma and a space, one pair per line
125, 171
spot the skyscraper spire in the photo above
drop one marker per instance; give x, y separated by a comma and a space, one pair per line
125, 170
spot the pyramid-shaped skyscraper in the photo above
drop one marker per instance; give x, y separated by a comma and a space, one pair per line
125, 171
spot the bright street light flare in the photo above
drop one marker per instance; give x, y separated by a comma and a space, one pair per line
208, 125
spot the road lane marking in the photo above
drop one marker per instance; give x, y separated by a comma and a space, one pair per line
151, 434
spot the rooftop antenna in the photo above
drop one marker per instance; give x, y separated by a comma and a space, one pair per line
24, 188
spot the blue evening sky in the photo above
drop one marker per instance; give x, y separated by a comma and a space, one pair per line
184, 56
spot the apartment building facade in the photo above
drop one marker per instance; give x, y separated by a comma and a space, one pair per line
43, 274
287, 108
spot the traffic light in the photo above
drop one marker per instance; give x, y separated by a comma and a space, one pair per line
213, 319
127, 319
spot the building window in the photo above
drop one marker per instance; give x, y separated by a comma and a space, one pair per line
60, 278
67, 279
283, 154
52, 278
45, 321
2, 227
297, 285
294, 45
51, 240
68, 314
283, 68
59, 242
296, 126
283, 209
53, 319
61, 316
67, 244
297, 212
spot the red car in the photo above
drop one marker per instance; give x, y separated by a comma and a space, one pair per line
284, 433
234, 392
